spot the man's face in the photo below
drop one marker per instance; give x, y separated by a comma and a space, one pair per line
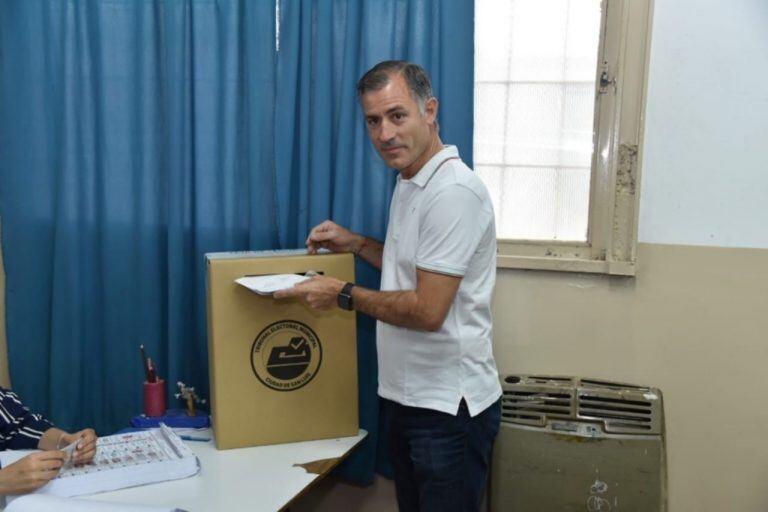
400, 132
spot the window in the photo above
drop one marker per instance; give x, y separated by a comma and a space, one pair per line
559, 97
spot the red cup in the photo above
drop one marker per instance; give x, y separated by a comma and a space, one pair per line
154, 398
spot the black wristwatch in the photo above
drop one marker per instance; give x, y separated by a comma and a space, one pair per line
344, 299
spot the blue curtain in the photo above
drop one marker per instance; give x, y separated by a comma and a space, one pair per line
137, 136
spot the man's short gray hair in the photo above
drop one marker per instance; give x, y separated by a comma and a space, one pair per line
417, 79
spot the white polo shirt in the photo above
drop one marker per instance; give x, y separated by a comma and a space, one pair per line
442, 221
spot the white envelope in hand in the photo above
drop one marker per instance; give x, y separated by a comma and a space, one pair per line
267, 285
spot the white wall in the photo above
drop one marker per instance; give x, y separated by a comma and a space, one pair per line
705, 160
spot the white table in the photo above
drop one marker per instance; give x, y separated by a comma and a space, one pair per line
262, 478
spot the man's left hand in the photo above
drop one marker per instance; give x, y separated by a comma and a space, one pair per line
319, 293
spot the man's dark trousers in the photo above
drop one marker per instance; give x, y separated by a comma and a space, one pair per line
440, 460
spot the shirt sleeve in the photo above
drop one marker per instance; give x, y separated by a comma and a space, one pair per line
20, 429
452, 226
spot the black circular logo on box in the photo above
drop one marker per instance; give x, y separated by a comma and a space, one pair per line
286, 355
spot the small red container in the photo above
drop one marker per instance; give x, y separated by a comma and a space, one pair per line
154, 398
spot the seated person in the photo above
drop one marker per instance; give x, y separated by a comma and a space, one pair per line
21, 429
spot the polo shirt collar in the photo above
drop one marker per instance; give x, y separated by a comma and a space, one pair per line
425, 173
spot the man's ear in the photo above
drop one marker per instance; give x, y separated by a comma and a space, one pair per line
430, 110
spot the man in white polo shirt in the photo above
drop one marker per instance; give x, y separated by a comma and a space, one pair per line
437, 376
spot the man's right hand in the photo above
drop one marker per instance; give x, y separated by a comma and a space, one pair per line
331, 236
31, 472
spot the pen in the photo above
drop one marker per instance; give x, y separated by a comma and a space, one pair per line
152, 377
144, 362
192, 438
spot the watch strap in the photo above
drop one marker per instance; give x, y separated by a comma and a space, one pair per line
344, 299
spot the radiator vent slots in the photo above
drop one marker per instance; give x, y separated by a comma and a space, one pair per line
615, 407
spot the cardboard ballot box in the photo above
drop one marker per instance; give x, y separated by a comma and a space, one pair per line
279, 371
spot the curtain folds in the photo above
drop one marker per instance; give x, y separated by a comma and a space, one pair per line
137, 136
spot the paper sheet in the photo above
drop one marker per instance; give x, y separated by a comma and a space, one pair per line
69, 452
269, 284
121, 460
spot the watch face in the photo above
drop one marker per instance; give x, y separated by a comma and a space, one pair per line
345, 301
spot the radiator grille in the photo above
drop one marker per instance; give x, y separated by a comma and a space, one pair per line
615, 407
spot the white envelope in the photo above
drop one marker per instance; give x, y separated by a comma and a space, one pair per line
268, 284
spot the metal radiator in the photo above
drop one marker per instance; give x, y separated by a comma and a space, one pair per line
573, 444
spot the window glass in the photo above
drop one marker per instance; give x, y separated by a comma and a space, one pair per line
535, 68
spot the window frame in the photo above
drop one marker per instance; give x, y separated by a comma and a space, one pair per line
611, 246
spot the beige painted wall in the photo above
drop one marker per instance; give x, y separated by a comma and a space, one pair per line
693, 322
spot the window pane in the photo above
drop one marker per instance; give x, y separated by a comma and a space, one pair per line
490, 135
523, 197
535, 66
